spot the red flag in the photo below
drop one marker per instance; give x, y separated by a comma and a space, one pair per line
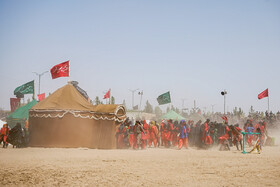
263, 94
107, 95
41, 96
14, 102
60, 70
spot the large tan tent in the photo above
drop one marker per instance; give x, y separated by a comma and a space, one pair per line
67, 119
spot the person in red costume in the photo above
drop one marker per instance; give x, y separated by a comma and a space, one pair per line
245, 128
223, 140
258, 125
145, 136
174, 133
4, 132
170, 132
165, 133
250, 129
131, 136
153, 134
206, 139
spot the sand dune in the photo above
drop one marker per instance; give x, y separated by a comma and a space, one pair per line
150, 167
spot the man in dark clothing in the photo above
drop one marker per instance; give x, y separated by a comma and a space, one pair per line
197, 134
16, 136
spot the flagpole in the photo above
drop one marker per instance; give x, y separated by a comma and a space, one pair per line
69, 79
33, 91
268, 103
110, 96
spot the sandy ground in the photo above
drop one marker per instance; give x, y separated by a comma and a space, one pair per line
150, 167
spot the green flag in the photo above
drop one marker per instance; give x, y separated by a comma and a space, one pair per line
27, 88
164, 98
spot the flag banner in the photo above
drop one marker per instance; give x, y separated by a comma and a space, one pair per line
14, 102
41, 96
263, 94
27, 88
107, 95
60, 70
135, 107
164, 98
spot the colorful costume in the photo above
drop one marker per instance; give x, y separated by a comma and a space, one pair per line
206, 139
165, 133
183, 141
131, 137
120, 136
153, 135
4, 132
145, 135
250, 129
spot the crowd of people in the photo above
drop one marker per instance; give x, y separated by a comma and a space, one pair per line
173, 133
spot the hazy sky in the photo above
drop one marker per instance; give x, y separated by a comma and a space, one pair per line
194, 49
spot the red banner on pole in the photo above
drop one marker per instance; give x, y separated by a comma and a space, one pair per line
107, 95
41, 96
263, 94
14, 102
60, 70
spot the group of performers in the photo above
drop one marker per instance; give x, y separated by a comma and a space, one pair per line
169, 133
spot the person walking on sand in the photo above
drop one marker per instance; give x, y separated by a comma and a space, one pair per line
4, 132
250, 129
138, 129
183, 135
153, 134
145, 134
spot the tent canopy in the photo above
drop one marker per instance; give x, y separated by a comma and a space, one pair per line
22, 112
118, 110
172, 115
67, 119
20, 115
65, 98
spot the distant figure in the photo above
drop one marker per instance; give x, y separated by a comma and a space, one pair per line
16, 136
250, 129
131, 137
138, 129
4, 132
237, 137
183, 141
120, 136
224, 139
197, 134
145, 134
153, 134
206, 139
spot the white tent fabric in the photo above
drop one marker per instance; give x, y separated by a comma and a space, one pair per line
2, 123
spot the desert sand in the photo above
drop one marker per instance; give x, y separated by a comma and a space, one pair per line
150, 167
